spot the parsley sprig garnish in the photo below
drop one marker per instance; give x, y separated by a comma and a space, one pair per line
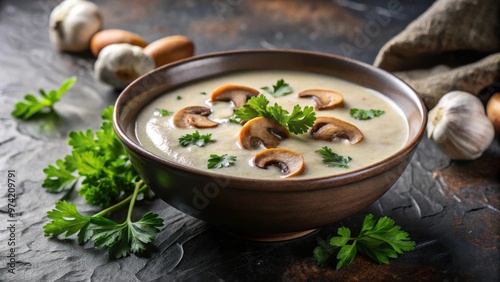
280, 89
299, 121
333, 159
99, 162
221, 161
365, 114
32, 105
379, 240
195, 139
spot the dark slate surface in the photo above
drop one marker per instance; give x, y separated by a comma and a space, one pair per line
450, 209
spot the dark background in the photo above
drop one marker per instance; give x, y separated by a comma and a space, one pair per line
451, 209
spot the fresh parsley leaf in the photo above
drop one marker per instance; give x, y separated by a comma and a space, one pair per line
347, 252
203, 93
196, 139
82, 141
254, 107
217, 161
383, 239
179, 97
107, 114
333, 159
277, 113
365, 114
127, 237
280, 89
299, 121
66, 221
61, 177
234, 119
379, 240
32, 105
323, 253
162, 112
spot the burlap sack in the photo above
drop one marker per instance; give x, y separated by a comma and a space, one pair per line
455, 45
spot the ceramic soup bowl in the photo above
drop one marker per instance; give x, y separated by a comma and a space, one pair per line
266, 209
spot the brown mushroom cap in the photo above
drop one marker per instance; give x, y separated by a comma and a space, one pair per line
262, 131
236, 93
325, 99
329, 128
195, 116
289, 162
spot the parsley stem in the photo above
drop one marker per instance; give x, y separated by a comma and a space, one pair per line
132, 201
124, 201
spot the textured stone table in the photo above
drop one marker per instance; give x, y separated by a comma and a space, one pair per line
451, 209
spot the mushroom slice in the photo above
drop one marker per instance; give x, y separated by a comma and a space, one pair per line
195, 116
236, 93
289, 162
262, 131
325, 99
329, 128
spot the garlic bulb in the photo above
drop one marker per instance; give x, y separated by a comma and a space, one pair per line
73, 23
120, 64
459, 127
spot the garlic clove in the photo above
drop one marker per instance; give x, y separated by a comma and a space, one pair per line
459, 127
73, 23
120, 64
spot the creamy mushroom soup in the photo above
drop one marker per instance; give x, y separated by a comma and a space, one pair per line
383, 135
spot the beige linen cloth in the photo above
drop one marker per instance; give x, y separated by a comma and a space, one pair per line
454, 45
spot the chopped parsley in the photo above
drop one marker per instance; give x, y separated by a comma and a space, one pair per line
195, 139
365, 114
280, 89
162, 112
333, 159
221, 161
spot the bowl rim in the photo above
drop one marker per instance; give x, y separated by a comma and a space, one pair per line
296, 184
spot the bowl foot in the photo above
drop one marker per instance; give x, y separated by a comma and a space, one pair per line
270, 237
